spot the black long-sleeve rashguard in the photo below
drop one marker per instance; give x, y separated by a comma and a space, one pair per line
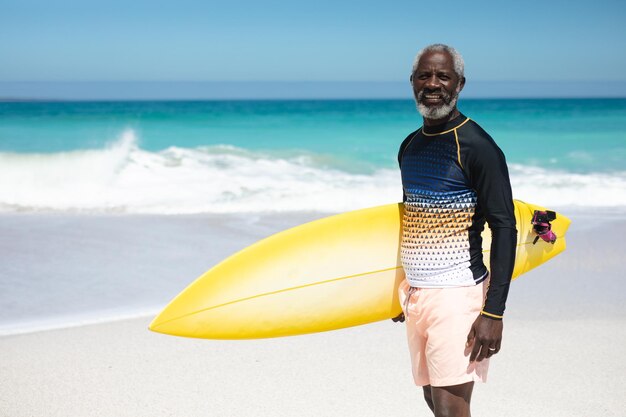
454, 178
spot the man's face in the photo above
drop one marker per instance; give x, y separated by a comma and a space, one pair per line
436, 86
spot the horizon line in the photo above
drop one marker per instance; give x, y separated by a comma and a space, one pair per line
291, 90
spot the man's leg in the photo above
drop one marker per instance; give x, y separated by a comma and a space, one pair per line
450, 372
453, 401
428, 396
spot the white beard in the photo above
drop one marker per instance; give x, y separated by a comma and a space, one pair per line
440, 112
437, 113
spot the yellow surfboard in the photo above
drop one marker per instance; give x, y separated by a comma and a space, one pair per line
332, 273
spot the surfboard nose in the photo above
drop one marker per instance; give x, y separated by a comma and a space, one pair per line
178, 317
159, 325
184, 317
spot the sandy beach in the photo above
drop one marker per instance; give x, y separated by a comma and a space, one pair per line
143, 143
562, 355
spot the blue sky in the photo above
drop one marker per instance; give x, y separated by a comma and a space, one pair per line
188, 40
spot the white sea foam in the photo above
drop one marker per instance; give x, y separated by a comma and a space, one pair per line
219, 179
225, 179
553, 188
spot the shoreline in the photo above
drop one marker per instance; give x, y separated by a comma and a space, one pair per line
65, 270
73, 322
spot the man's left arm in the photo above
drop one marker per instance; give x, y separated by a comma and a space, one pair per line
489, 176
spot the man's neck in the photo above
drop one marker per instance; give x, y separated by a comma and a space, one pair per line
434, 122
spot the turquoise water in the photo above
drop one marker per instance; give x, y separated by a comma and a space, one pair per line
576, 135
273, 155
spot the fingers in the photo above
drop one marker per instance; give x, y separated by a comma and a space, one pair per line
487, 350
483, 349
487, 338
470, 337
491, 351
399, 318
475, 351
494, 348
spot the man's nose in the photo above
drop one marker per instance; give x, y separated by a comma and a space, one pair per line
432, 82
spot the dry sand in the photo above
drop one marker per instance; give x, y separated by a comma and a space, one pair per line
547, 368
563, 355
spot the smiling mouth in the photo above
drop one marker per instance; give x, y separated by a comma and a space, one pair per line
432, 98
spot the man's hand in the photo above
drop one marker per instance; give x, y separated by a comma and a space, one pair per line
399, 318
486, 337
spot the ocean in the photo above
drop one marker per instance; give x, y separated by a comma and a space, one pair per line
108, 209
185, 157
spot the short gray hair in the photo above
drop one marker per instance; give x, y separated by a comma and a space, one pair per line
457, 59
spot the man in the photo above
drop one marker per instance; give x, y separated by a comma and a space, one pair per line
454, 178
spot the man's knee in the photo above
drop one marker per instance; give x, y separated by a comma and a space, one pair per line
452, 401
446, 411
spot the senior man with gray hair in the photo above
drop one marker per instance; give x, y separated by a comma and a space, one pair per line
454, 178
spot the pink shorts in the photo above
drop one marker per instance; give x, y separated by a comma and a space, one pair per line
438, 321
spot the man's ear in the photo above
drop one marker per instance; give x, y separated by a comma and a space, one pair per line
461, 85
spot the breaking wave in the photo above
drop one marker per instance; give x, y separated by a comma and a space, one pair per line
224, 179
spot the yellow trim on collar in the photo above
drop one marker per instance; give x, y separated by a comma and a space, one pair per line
447, 131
